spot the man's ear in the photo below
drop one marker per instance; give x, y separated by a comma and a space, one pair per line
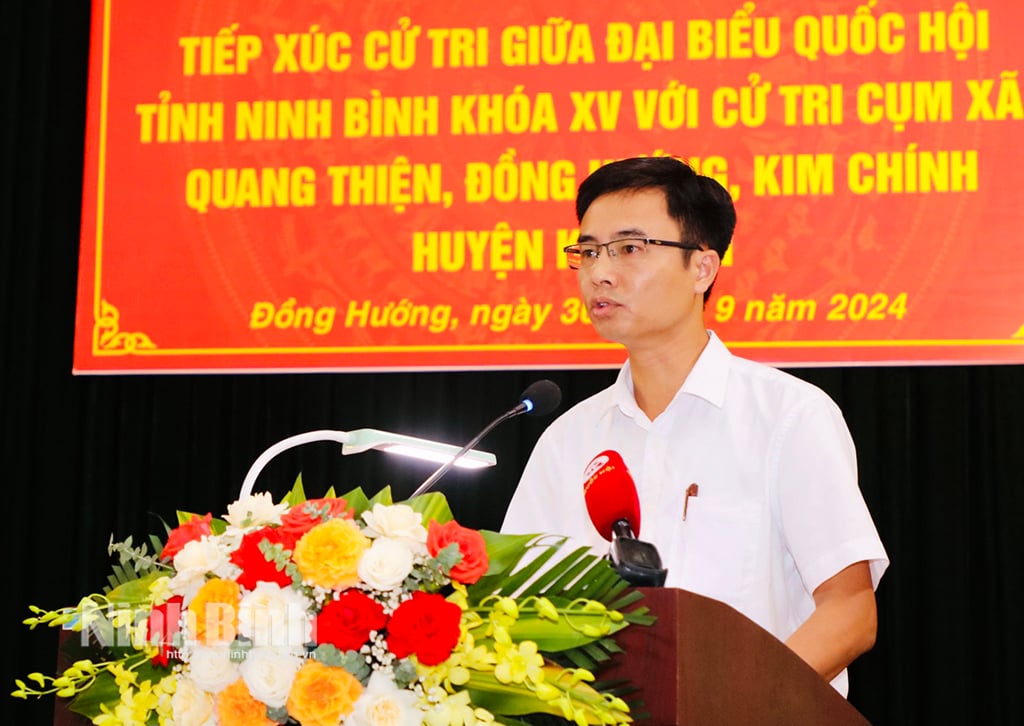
708, 263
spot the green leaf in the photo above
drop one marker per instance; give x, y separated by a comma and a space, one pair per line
505, 550
504, 582
297, 495
134, 590
278, 715
558, 636
448, 556
217, 526
526, 565
405, 673
383, 496
156, 543
511, 699
357, 500
350, 660
432, 506
103, 691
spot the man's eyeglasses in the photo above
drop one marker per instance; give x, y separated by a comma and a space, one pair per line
628, 251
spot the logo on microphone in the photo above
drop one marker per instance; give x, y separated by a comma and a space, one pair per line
595, 464
600, 466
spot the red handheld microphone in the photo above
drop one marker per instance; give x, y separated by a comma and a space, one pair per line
610, 494
614, 508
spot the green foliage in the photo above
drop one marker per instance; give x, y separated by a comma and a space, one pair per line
350, 660
103, 691
131, 592
405, 673
134, 562
532, 566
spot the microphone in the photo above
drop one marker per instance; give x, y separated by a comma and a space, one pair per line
614, 508
539, 399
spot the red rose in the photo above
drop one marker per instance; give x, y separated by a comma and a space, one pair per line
161, 627
196, 528
347, 621
427, 625
303, 517
255, 565
474, 562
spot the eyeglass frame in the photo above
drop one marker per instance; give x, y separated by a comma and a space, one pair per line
646, 240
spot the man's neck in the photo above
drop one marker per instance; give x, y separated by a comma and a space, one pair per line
659, 373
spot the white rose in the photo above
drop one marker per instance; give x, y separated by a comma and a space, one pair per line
384, 704
191, 705
399, 522
255, 510
269, 672
274, 616
386, 564
196, 560
212, 668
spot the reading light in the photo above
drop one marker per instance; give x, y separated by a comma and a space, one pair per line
360, 440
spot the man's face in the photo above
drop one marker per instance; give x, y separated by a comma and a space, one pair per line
646, 305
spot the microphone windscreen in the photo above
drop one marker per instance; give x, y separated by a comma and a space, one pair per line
541, 397
610, 493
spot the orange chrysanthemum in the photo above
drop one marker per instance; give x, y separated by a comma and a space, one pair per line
213, 612
237, 707
328, 555
322, 695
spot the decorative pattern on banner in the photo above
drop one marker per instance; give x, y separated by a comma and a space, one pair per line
340, 186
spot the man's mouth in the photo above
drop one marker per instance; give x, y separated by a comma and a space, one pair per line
602, 305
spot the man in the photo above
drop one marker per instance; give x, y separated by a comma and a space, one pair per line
774, 523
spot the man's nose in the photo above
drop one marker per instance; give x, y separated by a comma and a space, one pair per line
603, 269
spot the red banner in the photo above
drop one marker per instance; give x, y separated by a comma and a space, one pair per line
388, 185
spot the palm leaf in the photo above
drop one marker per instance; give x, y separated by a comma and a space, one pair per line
561, 573
505, 551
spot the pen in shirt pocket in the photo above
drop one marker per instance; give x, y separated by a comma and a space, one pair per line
691, 491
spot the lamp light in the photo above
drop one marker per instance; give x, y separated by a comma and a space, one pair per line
360, 440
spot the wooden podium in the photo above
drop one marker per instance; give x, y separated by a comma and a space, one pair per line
703, 663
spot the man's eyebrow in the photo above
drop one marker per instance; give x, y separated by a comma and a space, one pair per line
630, 232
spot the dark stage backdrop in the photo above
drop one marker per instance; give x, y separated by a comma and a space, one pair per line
941, 449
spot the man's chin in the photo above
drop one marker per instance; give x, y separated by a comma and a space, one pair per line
609, 330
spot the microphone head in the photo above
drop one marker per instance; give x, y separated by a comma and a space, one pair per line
610, 494
541, 398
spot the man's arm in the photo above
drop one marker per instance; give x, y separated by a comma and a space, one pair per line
843, 624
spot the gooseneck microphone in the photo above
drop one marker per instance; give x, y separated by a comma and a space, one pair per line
539, 399
614, 507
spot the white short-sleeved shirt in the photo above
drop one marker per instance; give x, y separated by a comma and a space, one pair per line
778, 509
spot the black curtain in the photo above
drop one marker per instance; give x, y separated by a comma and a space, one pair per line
941, 449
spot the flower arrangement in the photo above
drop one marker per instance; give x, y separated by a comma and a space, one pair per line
343, 610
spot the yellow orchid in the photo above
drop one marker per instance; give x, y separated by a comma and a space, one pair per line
455, 710
519, 662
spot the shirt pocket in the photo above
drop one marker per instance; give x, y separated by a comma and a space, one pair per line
718, 547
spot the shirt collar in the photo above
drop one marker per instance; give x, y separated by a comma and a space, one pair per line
710, 373
706, 380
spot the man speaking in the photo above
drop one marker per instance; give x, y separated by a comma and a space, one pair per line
746, 476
